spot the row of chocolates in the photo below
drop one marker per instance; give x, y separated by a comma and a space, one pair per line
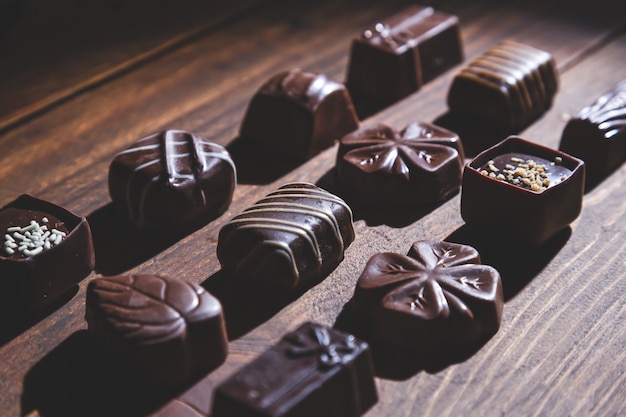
167, 331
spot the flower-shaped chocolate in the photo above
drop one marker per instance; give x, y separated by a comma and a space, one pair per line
419, 165
437, 294
318, 341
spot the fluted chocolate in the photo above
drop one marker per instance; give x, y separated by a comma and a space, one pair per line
438, 295
508, 86
313, 371
46, 251
597, 134
289, 239
172, 180
396, 56
299, 114
159, 330
522, 192
420, 164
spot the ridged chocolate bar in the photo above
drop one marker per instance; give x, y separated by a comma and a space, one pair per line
597, 134
418, 165
291, 237
314, 371
299, 114
159, 330
173, 180
509, 86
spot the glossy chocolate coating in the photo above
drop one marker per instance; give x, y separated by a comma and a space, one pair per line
313, 371
420, 164
299, 114
597, 134
160, 330
516, 214
437, 295
395, 57
172, 180
33, 282
288, 239
509, 86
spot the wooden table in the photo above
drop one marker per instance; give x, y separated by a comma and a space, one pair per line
80, 83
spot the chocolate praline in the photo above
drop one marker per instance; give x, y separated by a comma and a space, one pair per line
507, 87
33, 280
396, 56
287, 240
159, 330
597, 134
172, 180
298, 114
438, 295
313, 371
507, 203
420, 164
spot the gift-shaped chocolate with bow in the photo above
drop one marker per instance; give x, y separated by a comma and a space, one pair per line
313, 371
421, 164
437, 295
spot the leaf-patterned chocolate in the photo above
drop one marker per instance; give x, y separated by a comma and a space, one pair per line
598, 133
163, 330
172, 180
436, 295
420, 164
291, 237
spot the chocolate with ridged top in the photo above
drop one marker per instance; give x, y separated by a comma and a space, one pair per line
288, 239
33, 278
172, 180
597, 134
438, 295
299, 114
396, 56
508, 86
420, 164
160, 330
313, 371
516, 212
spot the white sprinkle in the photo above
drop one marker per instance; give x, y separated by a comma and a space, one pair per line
19, 236
26, 252
58, 232
44, 220
47, 245
14, 229
22, 248
58, 239
9, 238
9, 251
37, 250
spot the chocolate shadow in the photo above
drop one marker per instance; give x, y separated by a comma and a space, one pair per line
517, 265
476, 135
120, 246
400, 364
14, 320
258, 165
76, 380
246, 307
378, 214
366, 106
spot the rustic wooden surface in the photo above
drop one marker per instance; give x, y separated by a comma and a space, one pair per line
560, 349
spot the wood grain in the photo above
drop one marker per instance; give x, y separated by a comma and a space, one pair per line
560, 348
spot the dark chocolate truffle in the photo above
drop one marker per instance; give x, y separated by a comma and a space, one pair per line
160, 330
313, 371
299, 114
508, 86
46, 251
439, 295
420, 164
395, 57
521, 191
597, 134
288, 239
172, 180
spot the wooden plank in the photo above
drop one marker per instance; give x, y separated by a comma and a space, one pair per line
563, 305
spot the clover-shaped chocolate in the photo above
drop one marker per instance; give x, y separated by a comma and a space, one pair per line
436, 295
419, 165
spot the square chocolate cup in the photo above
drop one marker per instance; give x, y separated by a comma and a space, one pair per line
520, 215
313, 371
35, 282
